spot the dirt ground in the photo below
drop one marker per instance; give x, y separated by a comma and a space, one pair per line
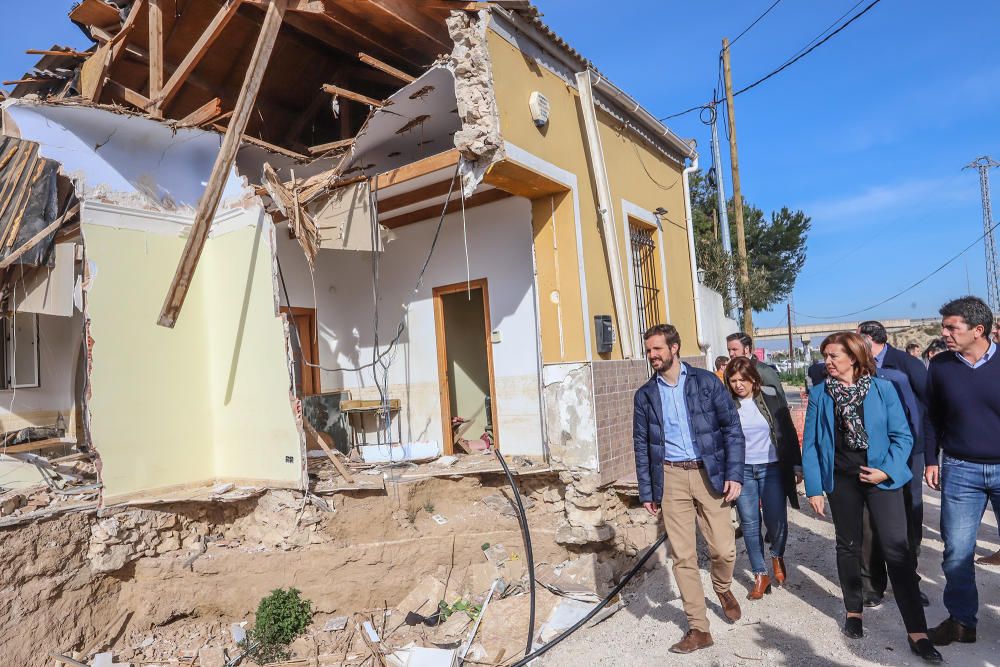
798, 625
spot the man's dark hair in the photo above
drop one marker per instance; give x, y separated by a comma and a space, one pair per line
874, 330
973, 310
912, 347
668, 331
743, 337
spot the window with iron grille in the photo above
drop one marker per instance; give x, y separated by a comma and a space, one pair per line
647, 296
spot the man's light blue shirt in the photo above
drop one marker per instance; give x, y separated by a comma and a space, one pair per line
678, 444
880, 357
990, 351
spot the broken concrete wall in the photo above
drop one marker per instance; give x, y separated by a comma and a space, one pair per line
207, 400
499, 250
570, 423
479, 139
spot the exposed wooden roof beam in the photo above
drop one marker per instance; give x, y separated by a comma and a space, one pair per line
408, 12
155, 56
137, 100
388, 69
351, 95
209, 202
419, 168
55, 52
336, 29
203, 114
198, 51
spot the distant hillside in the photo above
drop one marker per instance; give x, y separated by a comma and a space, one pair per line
922, 336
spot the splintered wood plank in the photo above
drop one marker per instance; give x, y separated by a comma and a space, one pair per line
208, 111
351, 95
321, 439
198, 51
128, 95
39, 237
155, 55
209, 202
388, 69
331, 146
53, 52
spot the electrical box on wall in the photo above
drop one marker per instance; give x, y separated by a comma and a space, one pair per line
538, 104
605, 333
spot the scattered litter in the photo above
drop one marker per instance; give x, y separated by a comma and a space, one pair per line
238, 631
569, 612
336, 624
370, 630
439, 520
446, 461
419, 656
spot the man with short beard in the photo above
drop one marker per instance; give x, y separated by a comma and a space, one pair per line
689, 454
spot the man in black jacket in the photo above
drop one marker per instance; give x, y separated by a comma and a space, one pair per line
689, 455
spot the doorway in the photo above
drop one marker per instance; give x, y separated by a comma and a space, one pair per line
465, 362
305, 350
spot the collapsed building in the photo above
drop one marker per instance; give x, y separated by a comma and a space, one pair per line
242, 239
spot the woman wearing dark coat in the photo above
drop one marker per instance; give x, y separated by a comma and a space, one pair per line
771, 470
854, 450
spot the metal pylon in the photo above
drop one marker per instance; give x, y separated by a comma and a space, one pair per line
983, 165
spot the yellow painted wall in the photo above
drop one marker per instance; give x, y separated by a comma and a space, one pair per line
563, 143
558, 277
162, 411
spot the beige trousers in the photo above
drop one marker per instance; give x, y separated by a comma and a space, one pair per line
687, 497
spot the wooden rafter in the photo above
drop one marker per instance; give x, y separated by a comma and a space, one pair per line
408, 12
388, 69
209, 202
198, 51
106, 56
138, 100
410, 171
351, 95
155, 55
206, 112
396, 202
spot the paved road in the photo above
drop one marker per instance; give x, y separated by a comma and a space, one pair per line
797, 625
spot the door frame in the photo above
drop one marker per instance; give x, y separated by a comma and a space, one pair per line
310, 374
444, 383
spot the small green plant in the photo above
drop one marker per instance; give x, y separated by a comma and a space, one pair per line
281, 617
429, 507
472, 610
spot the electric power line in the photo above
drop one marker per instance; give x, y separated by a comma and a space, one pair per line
802, 53
904, 291
755, 22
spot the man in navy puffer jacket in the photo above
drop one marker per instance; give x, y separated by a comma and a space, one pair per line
689, 454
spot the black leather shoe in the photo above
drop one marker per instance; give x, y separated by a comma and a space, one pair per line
924, 600
853, 628
950, 631
872, 600
925, 649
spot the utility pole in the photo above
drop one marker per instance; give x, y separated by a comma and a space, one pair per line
741, 242
720, 195
983, 165
791, 347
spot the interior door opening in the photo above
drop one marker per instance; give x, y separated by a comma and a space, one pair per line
465, 364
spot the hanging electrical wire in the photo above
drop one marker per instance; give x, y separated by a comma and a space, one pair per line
755, 22
903, 291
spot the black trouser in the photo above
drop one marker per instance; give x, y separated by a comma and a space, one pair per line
848, 500
874, 577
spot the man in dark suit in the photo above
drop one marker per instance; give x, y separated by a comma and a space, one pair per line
889, 358
689, 455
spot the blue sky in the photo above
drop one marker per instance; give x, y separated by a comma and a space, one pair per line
868, 134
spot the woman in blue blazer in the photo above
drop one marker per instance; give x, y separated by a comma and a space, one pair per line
854, 449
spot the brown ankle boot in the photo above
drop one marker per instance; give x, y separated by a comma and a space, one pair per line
778, 565
761, 585
693, 641
730, 607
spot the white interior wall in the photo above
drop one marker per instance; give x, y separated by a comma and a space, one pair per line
500, 250
716, 326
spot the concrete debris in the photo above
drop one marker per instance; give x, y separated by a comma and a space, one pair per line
569, 612
424, 598
479, 139
335, 624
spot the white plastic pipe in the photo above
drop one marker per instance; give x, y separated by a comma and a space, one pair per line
698, 328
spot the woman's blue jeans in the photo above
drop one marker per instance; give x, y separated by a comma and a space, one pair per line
763, 490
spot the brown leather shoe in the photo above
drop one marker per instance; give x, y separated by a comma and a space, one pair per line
950, 631
730, 606
778, 565
992, 559
761, 585
693, 641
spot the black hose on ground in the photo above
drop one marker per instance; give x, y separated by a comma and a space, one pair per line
593, 612
522, 519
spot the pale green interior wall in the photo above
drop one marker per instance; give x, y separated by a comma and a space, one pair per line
207, 400
465, 335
